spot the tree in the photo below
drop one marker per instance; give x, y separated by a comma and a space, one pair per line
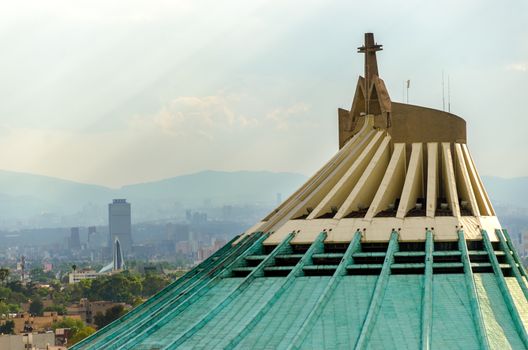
8, 327
4, 273
67, 322
80, 335
15, 286
78, 330
153, 284
59, 309
109, 316
121, 287
6, 308
36, 307
37, 275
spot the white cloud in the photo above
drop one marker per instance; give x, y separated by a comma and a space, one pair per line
188, 133
85, 67
284, 117
98, 10
520, 67
198, 116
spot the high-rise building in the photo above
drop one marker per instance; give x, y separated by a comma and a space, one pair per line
393, 244
74, 243
120, 225
92, 230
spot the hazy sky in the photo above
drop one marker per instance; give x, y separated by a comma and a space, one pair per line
118, 92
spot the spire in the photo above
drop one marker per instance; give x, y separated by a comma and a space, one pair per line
369, 49
371, 96
371, 65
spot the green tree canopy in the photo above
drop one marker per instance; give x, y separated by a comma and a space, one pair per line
68, 322
36, 307
153, 283
80, 335
4, 273
109, 316
78, 330
60, 309
8, 327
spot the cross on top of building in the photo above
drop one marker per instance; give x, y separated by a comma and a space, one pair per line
370, 45
369, 49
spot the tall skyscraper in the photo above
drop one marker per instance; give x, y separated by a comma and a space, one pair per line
75, 240
91, 231
120, 225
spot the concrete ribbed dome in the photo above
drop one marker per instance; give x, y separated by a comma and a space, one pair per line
375, 185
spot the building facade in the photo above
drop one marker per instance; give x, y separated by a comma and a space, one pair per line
77, 276
120, 225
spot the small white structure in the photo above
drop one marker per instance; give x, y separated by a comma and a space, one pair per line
77, 276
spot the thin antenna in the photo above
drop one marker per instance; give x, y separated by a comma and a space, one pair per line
443, 92
448, 95
408, 86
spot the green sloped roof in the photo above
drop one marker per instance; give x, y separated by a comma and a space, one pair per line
215, 307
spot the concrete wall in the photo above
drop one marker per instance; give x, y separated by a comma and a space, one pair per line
420, 124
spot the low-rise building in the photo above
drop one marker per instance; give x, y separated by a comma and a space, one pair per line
25, 323
77, 276
87, 310
34, 341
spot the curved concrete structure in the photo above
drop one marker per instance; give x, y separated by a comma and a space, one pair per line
393, 244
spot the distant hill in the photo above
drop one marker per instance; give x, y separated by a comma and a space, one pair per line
38, 200
511, 192
239, 186
43, 199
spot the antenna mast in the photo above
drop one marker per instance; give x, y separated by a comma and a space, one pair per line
448, 95
443, 92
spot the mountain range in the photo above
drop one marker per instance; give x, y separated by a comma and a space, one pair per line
24, 196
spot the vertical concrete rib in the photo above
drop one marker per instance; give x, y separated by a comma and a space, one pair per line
515, 268
325, 176
157, 319
377, 295
427, 297
449, 179
316, 247
432, 179
413, 182
464, 184
514, 313
324, 172
514, 253
257, 272
365, 187
324, 297
336, 195
472, 291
